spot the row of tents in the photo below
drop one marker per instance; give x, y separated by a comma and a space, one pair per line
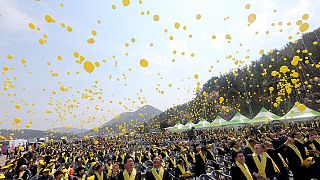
263, 117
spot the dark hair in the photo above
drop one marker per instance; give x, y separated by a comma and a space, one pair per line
235, 154
126, 159
97, 167
57, 173
79, 169
294, 133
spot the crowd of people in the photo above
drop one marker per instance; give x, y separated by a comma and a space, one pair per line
275, 151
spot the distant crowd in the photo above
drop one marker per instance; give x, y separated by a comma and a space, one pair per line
275, 151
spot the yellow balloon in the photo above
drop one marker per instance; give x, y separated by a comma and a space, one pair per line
17, 120
156, 17
301, 107
126, 2
17, 106
88, 66
304, 27
96, 142
144, 63
48, 18
221, 99
274, 73
284, 69
252, 18
271, 89
32, 26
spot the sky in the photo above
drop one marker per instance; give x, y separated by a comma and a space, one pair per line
41, 91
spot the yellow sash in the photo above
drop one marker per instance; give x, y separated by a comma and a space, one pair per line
21, 174
122, 157
156, 175
183, 171
166, 153
203, 157
245, 170
275, 167
313, 147
296, 150
211, 153
99, 176
139, 158
192, 154
173, 161
260, 165
132, 176
39, 170
283, 161
184, 157
251, 148
109, 170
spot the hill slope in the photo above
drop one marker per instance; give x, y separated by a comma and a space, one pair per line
128, 120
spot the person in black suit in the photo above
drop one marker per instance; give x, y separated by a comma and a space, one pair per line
249, 148
157, 170
295, 162
239, 169
181, 170
200, 165
278, 158
129, 170
268, 171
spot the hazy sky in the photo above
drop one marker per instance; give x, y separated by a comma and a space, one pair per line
119, 84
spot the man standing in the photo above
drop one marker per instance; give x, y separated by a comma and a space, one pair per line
239, 169
157, 172
129, 173
201, 160
260, 165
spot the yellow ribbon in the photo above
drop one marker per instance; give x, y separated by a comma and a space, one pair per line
296, 150
260, 165
283, 161
275, 167
245, 170
156, 175
173, 162
203, 157
184, 157
314, 148
99, 176
132, 176
192, 154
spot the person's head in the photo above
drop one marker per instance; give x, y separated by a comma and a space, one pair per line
80, 171
296, 134
203, 149
99, 168
45, 172
128, 163
258, 149
67, 165
235, 144
157, 162
268, 144
58, 175
251, 142
238, 156
115, 167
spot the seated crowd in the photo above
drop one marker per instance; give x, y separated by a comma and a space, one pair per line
275, 151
